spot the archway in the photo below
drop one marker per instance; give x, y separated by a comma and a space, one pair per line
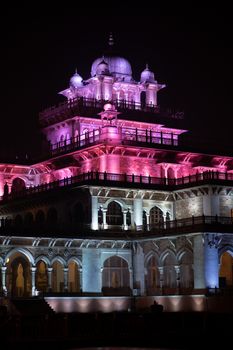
143, 99
114, 214
226, 270
152, 277
28, 220
18, 185
40, 219
18, 276
78, 214
169, 273
57, 277
156, 216
186, 271
52, 217
115, 276
73, 277
41, 276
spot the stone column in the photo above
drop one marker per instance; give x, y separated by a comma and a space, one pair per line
137, 204
105, 225
131, 278
161, 278
125, 226
148, 221
198, 262
177, 269
81, 280
211, 204
94, 211
3, 271
211, 260
50, 270
139, 271
91, 276
33, 272
65, 278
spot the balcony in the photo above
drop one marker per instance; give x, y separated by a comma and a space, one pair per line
78, 105
126, 181
128, 136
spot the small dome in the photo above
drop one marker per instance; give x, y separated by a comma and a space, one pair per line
76, 80
147, 76
102, 68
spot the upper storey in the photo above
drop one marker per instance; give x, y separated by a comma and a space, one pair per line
111, 80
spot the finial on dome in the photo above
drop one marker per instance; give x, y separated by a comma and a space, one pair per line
76, 71
110, 40
147, 66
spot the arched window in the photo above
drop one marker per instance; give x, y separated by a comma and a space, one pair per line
152, 278
156, 216
52, 216
128, 218
143, 99
115, 273
169, 271
186, 271
40, 218
41, 276
226, 271
18, 185
18, 221
79, 216
100, 216
114, 214
73, 277
28, 220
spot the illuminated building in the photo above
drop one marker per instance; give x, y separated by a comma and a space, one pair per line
116, 205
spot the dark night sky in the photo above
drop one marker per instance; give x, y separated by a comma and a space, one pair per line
188, 48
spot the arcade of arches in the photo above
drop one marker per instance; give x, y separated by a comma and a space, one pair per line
22, 278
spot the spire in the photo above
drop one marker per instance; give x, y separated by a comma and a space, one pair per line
110, 40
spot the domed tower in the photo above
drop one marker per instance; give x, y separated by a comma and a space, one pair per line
150, 86
76, 81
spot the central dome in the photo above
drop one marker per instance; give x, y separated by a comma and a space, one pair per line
119, 67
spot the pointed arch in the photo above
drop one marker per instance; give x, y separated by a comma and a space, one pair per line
115, 276
60, 260
43, 258
114, 214
22, 251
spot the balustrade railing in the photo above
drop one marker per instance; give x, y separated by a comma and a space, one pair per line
123, 179
127, 136
81, 102
187, 225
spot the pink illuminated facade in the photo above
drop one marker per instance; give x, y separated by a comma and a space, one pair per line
116, 205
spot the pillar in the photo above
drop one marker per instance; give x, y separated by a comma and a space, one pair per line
50, 270
161, 278
65, 278
33, 272
211, 261
94, 212
91, 276
3, 271
147, 221
125, 226
177, 269
211, 204
138, 269
137, 204
198, 262
105, 225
